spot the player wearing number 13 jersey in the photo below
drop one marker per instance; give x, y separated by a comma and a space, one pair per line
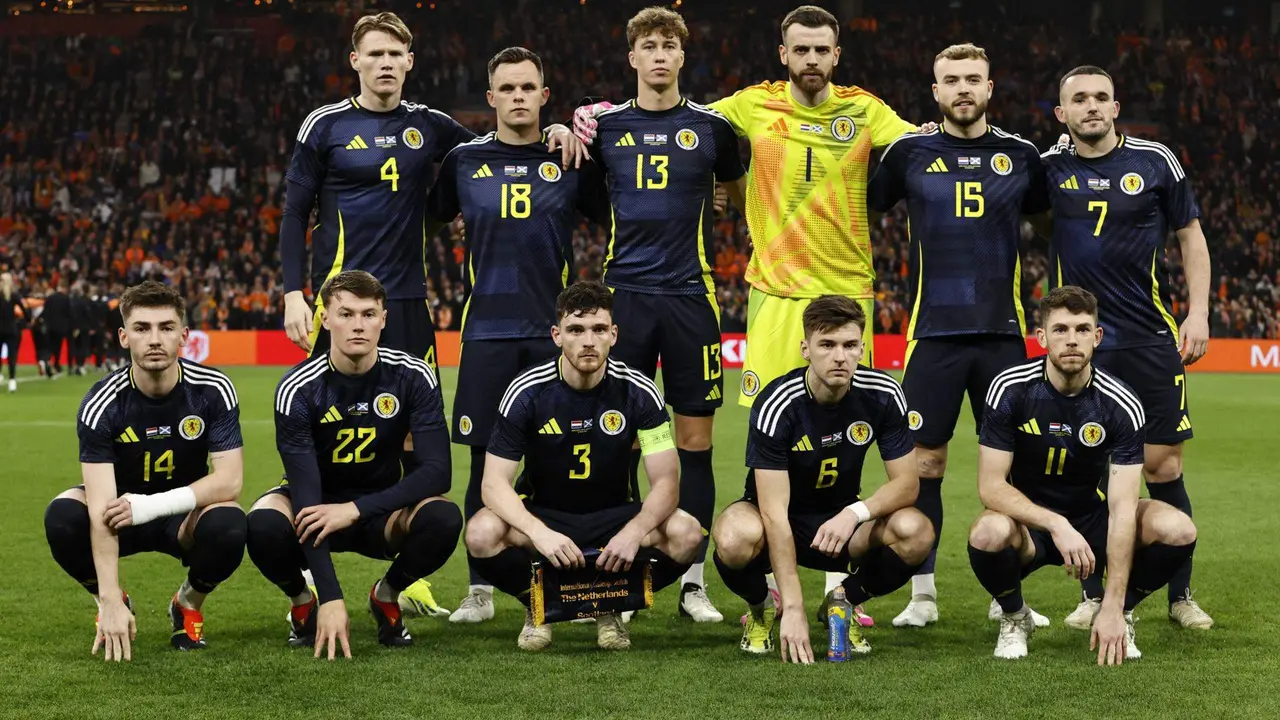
1116, 199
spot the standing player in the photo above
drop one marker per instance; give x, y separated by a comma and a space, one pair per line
809, 436
149, 433
12, 308
340, 422
1050, 430
1115, 199
663, 156
573, 420
967, 186
520, 209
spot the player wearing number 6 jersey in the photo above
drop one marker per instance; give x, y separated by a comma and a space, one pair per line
1116, 199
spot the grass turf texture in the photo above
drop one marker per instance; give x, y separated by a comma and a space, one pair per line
675, 668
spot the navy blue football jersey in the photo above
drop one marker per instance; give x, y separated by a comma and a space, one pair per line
520, 207
1062, 445
1111, 218
371, 171
965, 202
356, 425
576, 445
160, 444
662, 168
823, 447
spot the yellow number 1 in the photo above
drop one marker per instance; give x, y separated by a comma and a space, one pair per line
1102, 217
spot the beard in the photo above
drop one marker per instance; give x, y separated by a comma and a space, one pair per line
810, 83
964, 116
1095, 132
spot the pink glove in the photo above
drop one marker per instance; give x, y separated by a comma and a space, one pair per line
584, 121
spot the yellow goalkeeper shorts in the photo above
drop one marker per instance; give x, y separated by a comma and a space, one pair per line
775, 327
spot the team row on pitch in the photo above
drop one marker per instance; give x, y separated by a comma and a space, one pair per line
362, 437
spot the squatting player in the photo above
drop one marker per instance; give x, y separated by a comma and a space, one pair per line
967, 186
1051, 429
1115, 199
663, 156
341, 418
810, 433
573, 420
149, 434
520, 209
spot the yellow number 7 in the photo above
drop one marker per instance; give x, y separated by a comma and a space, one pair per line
1102, 217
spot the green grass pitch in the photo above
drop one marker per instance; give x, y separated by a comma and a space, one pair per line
675, 668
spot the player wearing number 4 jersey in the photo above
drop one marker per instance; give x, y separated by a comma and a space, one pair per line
967, 186
810, 432
340, 423
1116, 199
1050, 431
148, 435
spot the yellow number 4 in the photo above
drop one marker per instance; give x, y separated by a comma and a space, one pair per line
828, 473
1102, 216
390, 174
583, 453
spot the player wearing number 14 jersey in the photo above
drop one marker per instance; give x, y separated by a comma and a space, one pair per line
1116, 199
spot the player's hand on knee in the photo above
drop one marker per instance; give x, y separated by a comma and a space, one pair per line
119, 513
1077, 556
1107, 637
297, 320
321, 521
621, 551
559, 550
793, 636
572, 150
584, 120
833, 536
333, 628
117, 628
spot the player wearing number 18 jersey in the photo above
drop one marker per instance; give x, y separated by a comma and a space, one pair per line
967, 187
1116, 199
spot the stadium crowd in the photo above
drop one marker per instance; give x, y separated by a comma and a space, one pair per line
163, 156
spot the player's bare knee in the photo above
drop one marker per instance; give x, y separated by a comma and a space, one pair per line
738, 537
684, 536
1162, 463
484, 534
693, 432
992, 532
1162, 523
913, 533
273, 501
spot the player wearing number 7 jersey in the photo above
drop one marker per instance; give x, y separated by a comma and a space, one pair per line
1115, 201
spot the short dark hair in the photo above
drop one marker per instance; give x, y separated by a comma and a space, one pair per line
357, 282
832, 312
810, 16
582, 298
1074, 299
1085, 70
514, 56
663, 21
152, 294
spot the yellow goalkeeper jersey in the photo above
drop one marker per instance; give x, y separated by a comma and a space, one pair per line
807, 191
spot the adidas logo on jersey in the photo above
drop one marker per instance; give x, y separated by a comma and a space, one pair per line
332, 416
1185, 425
1070, 184
357, 143
1031, 427
626, 141
551, 428
128, 436
714, 394
937, 166
803, 446
483, 172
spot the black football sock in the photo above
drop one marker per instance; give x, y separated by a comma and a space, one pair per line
1000, 574
1175, 493
665, 570
66, 526
929, 502
747, 582
879, 572
1153, 565
433, 535
474, 502
509, 571
698, 491
218, 546
1092, 586
273, 548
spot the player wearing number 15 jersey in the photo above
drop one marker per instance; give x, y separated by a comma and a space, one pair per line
967, 186
148, 435
1116, 199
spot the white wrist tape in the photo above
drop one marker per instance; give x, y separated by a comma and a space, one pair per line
146, 508
860, 511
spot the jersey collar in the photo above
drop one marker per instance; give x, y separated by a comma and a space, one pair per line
1044, 375
133, 383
